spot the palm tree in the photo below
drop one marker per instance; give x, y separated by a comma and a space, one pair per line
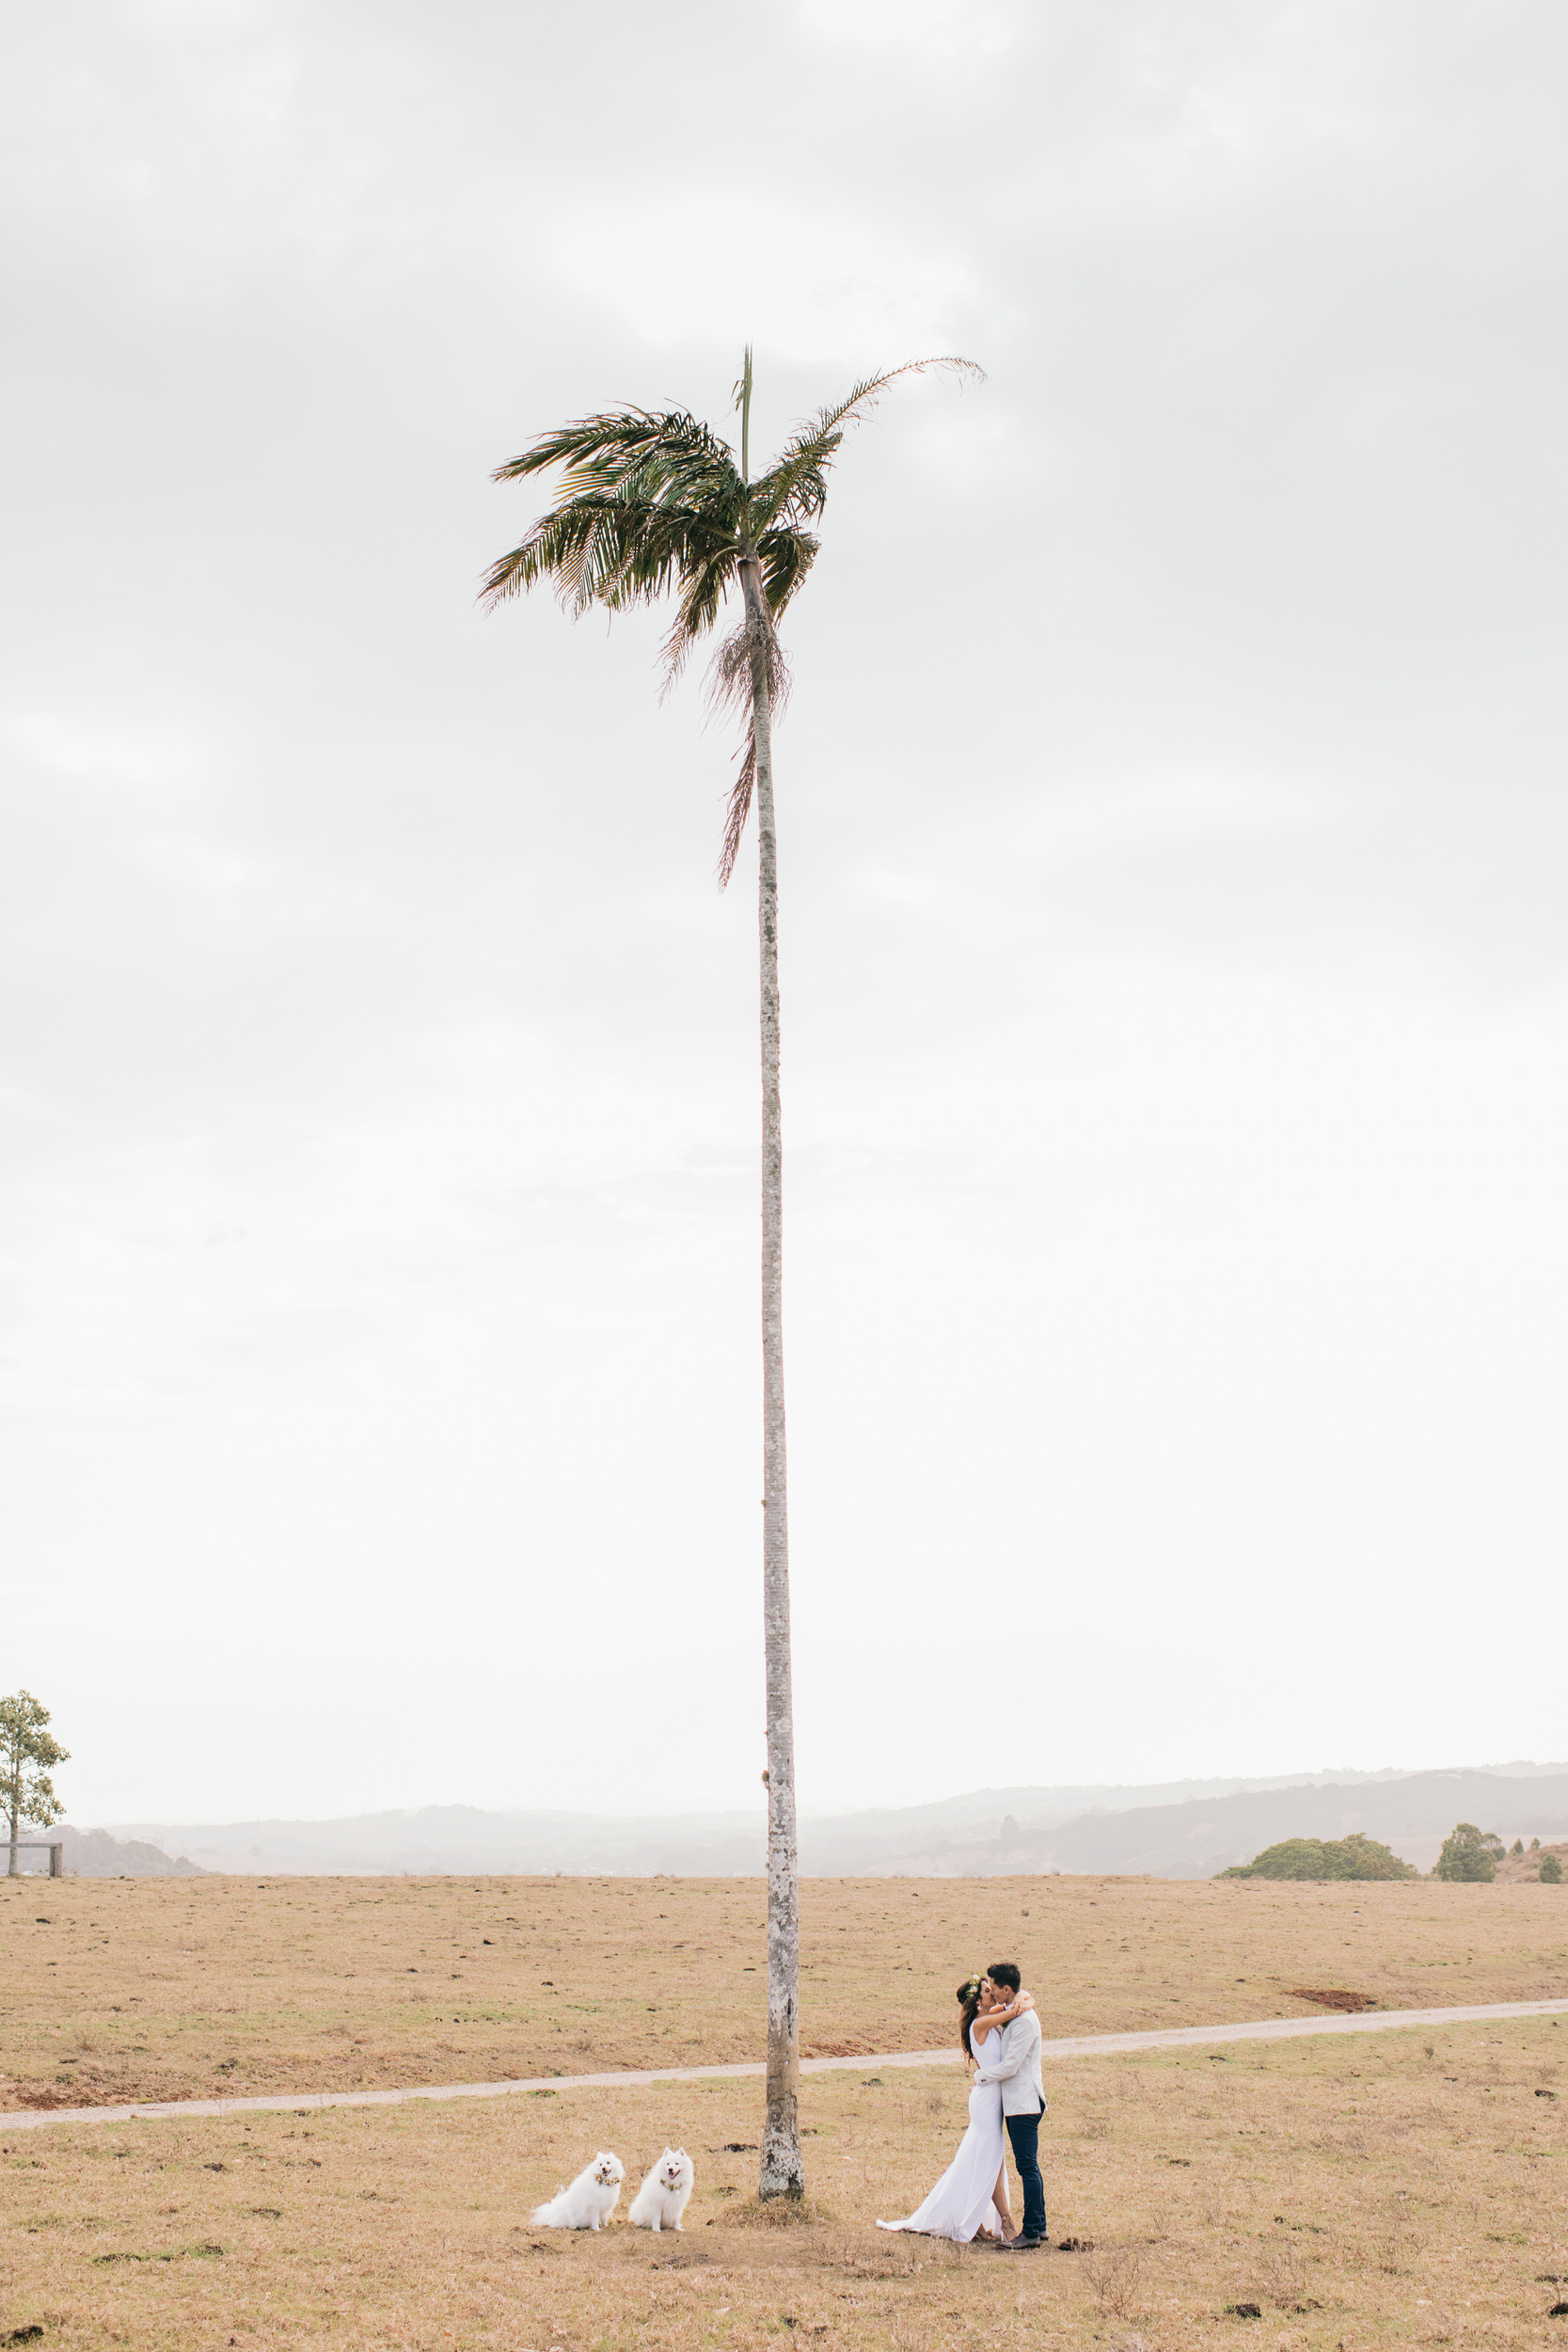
652, 505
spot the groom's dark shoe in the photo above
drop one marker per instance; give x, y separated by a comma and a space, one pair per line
1023, 2245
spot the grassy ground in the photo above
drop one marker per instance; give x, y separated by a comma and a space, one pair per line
113, 1990
1404, 2189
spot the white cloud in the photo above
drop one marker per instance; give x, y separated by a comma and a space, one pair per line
805, 282
69, 745
963, 33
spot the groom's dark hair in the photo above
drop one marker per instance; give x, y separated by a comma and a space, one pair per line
1005, 1972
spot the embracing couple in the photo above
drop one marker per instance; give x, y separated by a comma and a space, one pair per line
1000, 2034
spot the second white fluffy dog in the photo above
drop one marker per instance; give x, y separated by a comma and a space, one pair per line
666, 2192
588, 2201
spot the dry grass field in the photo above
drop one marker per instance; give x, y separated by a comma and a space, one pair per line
113, 1990
1404, 2189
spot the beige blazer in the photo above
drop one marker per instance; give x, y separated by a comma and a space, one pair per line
1016, 2066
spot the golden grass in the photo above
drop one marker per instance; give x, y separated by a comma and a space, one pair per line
162, 1989
1404, 2188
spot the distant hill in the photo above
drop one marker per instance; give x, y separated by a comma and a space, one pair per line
1183, 1829
454, 1840
457, 1839
1412, 1815
92, 1854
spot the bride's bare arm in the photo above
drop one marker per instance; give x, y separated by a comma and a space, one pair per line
998, 2017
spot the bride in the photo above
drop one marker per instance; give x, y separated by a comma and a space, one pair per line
974, 2188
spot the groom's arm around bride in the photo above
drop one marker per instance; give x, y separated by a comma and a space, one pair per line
1017, 2066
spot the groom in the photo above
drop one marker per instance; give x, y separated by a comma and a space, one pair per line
1017, 2068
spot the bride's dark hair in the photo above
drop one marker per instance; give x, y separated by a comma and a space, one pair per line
969, 1999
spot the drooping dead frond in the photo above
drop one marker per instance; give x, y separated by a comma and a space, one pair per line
732, 676
785, 558
731, 685
738, 809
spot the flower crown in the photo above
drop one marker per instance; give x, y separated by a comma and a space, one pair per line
973, 1987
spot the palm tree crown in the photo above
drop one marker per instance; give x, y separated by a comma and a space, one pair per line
652, 505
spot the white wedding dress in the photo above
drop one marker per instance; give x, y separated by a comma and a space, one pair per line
961, 2204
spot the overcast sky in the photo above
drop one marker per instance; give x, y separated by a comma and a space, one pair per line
1173, 853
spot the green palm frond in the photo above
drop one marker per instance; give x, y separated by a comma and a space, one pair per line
788, 556
795, 490
600, 452
617, 549
646, 500
703, 593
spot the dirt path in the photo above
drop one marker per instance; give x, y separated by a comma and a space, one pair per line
1084, 2045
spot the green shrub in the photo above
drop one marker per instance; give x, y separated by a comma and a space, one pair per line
1518, 1847
1550, 1872
1318, 1858
1470, 1855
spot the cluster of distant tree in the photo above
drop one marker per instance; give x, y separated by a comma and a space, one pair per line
1470, 1856
1352, 1857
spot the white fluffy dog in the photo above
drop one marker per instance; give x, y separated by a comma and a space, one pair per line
588, 2203
666, 2193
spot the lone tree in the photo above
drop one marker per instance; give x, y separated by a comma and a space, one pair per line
1550, 1872
1470, 1855
652, 503
26, 1756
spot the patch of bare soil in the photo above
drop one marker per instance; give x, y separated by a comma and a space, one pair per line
1336, 1996
44, 2095
110, 2089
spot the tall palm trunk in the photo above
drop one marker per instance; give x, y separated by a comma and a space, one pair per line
781, 2174
649, 504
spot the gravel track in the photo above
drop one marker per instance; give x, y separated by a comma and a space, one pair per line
1083, 2045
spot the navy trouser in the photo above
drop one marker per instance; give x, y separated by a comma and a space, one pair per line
1024, 2133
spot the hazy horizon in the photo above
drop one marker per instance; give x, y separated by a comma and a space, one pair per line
634, 1812
1182, 1829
